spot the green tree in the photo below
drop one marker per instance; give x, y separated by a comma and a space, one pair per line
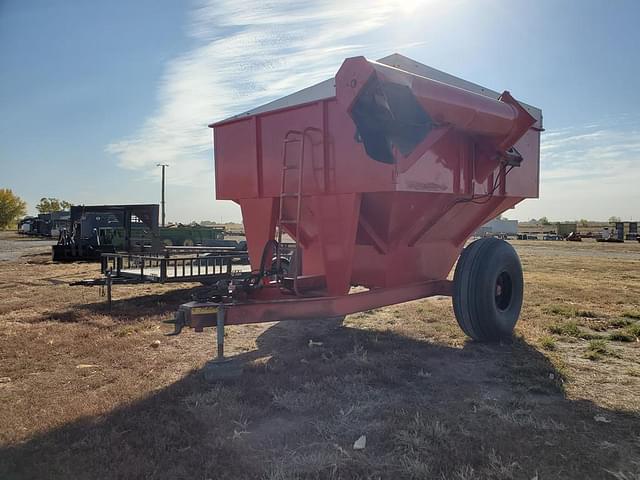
48, 205
583, 222
544, 221
614, 219
11, 207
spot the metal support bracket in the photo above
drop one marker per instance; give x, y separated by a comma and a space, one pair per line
109, 282
220, 333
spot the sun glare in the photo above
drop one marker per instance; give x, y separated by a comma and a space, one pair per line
408, 7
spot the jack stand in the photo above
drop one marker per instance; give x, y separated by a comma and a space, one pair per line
221, 368
220, 333
109, 282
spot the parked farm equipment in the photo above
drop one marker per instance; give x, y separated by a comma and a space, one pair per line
380, 176
574, 237
612, 235
45, 224
190, 235
26, 226
96, 229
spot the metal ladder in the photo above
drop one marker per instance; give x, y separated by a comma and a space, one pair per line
292, 136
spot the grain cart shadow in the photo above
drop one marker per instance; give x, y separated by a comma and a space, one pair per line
427, 410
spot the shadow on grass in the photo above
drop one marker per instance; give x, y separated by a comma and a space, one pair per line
428, 411
130, 309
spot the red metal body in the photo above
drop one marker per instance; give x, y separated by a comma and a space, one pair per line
398, 220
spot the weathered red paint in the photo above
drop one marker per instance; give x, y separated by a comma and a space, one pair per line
369, 223
309, 308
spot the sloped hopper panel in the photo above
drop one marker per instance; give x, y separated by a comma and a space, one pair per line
387, 115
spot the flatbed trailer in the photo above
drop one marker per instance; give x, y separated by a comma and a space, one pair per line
216, 268
162, 268
219, 267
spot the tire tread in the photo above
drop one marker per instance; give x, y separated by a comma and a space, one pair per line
468, 301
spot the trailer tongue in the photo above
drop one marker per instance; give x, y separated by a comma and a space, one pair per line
380, 180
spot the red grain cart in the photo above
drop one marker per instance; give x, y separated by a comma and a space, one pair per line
380, 176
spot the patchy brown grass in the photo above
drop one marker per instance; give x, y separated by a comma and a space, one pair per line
85, 395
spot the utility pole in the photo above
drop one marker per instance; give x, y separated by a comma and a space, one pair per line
163, 165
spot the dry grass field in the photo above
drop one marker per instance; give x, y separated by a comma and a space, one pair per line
85, 394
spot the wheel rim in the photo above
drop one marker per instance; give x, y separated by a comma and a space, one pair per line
503, 291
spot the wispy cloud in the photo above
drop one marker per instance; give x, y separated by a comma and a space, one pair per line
245, 53
589, 171
594, 151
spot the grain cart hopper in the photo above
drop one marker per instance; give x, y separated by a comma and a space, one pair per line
380, 176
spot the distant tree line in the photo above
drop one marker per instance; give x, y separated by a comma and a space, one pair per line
48, 205
12, 207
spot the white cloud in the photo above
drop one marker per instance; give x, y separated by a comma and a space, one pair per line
246, 53
589, 171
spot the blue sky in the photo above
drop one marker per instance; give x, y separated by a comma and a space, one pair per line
94, 94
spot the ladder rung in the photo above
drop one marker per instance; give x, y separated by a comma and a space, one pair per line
288, 221
289, 167
293, 140
285, 194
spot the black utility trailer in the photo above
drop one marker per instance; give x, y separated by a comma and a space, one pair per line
199, 264
219, 268
97, 229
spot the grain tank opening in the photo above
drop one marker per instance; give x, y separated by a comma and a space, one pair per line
387, 115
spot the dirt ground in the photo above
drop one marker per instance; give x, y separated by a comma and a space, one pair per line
12, 247
85, 394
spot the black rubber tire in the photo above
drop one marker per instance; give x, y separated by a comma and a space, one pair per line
488, 290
